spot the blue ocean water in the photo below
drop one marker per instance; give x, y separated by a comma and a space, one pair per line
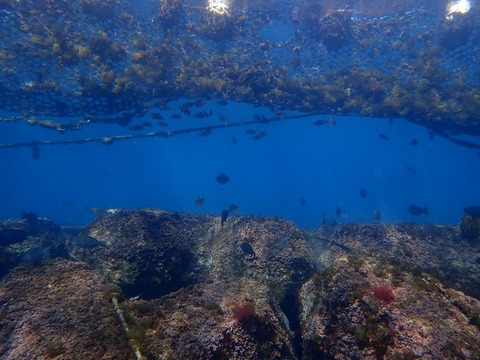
327, 165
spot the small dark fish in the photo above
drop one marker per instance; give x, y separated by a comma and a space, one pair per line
199, 103
414, 142
222, 102
338, 212
31, 217
176, 116
200, 201
203, 114
259, 135
232, 208
224, 216
222, 178
87, 242
363, 193
376, 216
383, 136
36, 254
411, 170
261, 118
332, 121
35, 152
162, 123
137, 127
205, 133
247, 248
320, 122
472, 211
147, 124
303, 202
156, 116
417, 210
234, 140
222, 118
250, 131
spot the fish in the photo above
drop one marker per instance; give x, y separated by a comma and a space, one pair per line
200, 201
261, 118
234, 140
259, 135
302, 201
320, 122
83, 240
137, 127
224, 216
383, 136
36, 254
222, 178
176, 116
376, 216
250, 131
411, 170
414, 142
232, 208
417, 210
222, 102
363, 193
205, 133
203, 114
338, 212
473, 211
162, 123
247, 248
156, 116
35, 152
147, 124
332, 121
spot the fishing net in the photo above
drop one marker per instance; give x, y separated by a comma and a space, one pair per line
70, 63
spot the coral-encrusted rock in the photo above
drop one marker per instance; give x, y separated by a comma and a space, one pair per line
153, 252
203, 322
437, 250
58, 308
359, 308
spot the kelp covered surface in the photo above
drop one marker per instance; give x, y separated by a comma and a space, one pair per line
109, 61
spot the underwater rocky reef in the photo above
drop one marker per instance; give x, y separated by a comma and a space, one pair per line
150, 284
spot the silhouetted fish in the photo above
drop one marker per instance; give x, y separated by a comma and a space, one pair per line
338, 212
35, 152
383, 136
234, 140
247, 248
222, 102
224, 216
417, 210
250, 131
363, 193
156, 116
320, 122
414, 142
36, 254
83, 240
232, 208
200, 201
303, 201
261, 133
205, 133
147, 124
222, 178
472, 211
411, 170
162, 123
137, 127
376, 216
176, 116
